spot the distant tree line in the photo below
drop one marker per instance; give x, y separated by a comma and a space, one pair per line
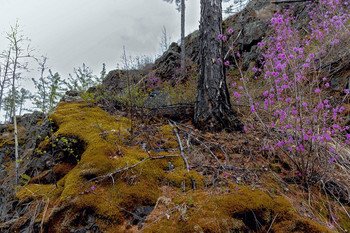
49, 86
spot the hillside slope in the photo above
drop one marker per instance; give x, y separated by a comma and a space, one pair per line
125, 157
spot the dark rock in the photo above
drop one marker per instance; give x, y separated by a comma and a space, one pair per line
30, 119
71, 96
165, 65
45, 162
31, 127
140, 214
3, 129
37, 132
2, 171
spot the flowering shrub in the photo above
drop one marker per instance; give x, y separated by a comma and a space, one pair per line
301, 120
152, 80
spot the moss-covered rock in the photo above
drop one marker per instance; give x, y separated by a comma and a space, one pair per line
112, 198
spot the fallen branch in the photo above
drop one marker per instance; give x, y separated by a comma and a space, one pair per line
272, 223
199, 136
212, 154
180, 144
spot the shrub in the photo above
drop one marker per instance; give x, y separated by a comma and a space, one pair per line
295, 112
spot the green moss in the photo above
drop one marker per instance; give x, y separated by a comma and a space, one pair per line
99, 134
169, 137
36, 191
166, 130
181, 176
236, 211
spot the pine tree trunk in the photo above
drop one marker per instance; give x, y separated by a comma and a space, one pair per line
212, 107
14, 116
183, 54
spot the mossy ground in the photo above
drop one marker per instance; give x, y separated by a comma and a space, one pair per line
103, 137
201, 200
241, 209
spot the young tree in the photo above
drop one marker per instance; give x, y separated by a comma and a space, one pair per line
4, 78
181, 7
164, 42
8, 104
102, 73
41, 96
83, 80
16, 42
23, 95
49, 88
212, 106
48, 91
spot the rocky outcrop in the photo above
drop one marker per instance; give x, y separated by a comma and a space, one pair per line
31, 128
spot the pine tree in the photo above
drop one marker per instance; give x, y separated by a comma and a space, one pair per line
8, 105
23, 96
164, 41
102, 74
48, 88
56, 88
17, 44
83, 80
212, 107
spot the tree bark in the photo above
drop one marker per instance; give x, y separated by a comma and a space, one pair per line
14, 112
213, 110
183, 54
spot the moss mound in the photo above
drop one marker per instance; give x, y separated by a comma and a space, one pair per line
112, 198
240, 210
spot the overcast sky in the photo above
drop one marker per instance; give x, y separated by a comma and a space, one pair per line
70, 32
73, 32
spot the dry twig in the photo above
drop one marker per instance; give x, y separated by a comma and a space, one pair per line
180, 144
